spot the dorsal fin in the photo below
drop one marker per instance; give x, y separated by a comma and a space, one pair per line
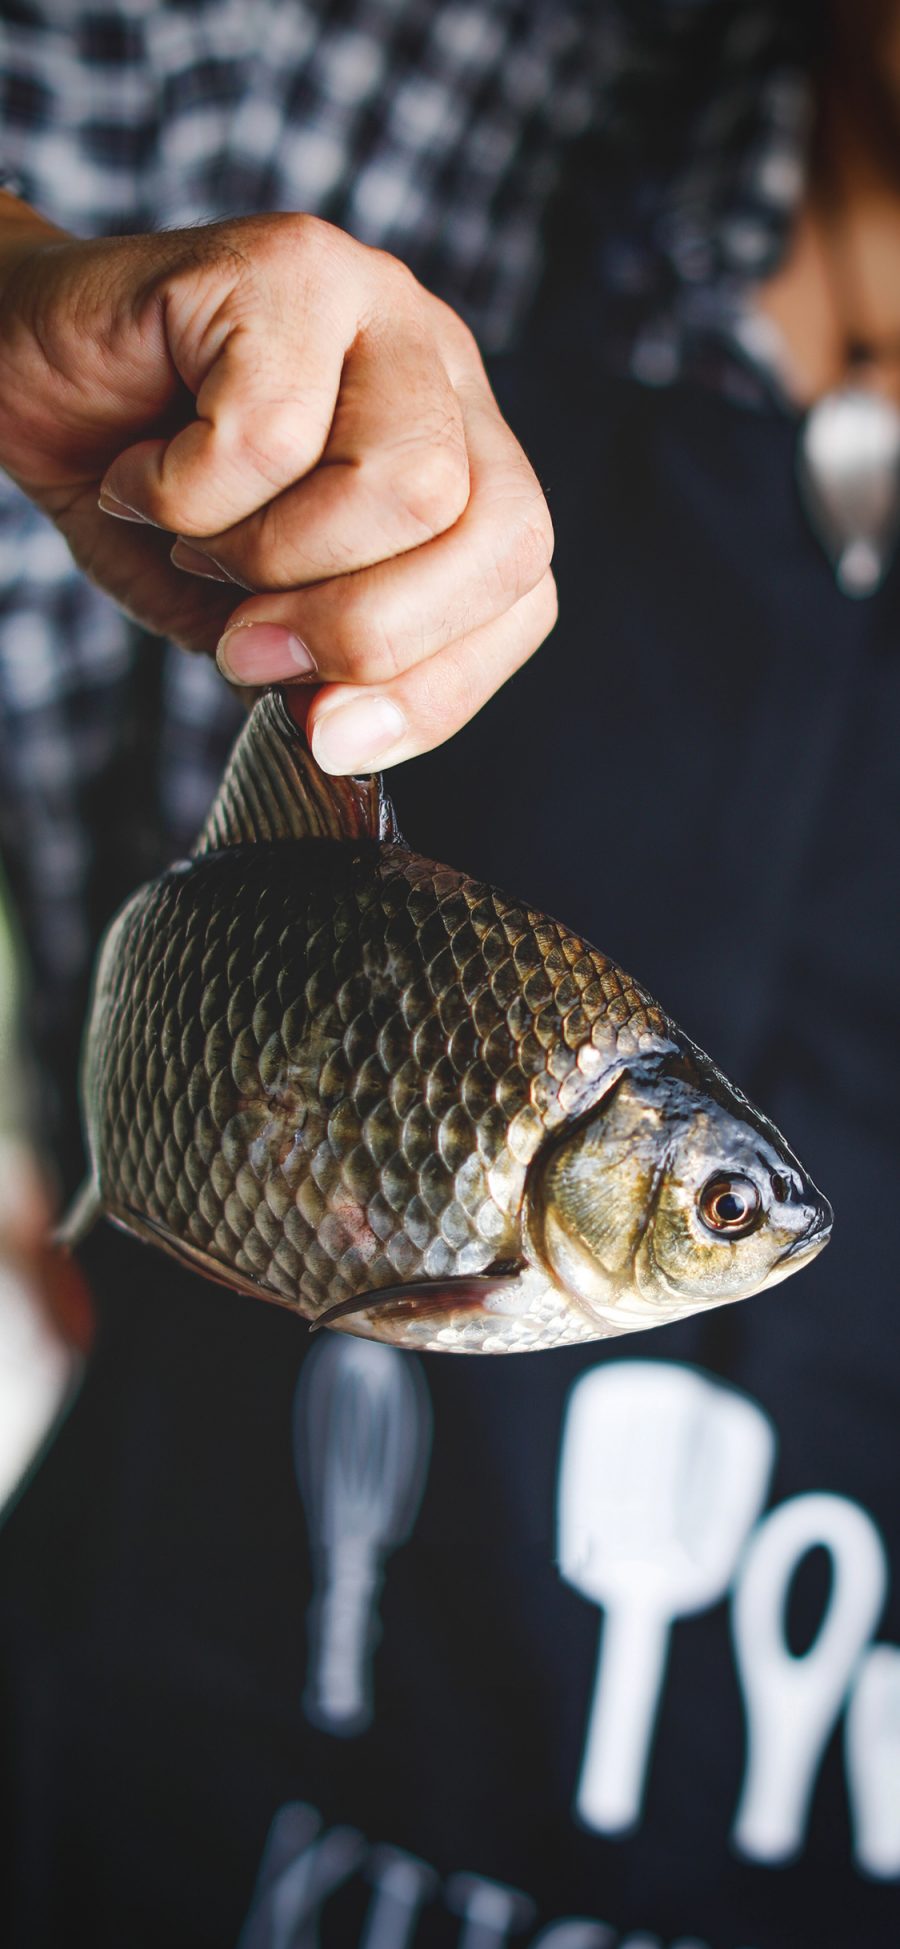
273, 789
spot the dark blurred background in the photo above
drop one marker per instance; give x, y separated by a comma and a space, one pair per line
675, 229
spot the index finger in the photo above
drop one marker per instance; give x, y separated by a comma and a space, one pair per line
369, 626
393, 474
264, 407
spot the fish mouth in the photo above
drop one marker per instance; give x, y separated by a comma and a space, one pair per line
812, 1241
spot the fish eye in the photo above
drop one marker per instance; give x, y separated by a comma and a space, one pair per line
729, 1206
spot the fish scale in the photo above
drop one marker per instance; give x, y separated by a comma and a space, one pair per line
395, 1119
331, 1072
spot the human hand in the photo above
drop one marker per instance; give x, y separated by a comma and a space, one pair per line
311, 424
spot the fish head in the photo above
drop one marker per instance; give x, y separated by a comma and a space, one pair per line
673, 1193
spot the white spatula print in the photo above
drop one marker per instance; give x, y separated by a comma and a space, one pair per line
661, 1477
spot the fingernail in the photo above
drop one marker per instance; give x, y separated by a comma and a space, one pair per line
195, 562
110, 505
252, 653
356, 736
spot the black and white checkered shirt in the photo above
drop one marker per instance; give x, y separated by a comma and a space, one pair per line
436, 129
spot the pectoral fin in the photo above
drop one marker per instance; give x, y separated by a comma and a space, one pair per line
421, 1299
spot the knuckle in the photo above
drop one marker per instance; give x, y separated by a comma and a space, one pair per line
268, 546
268, 235
528, 548
402, 283
314, 238
244, 554
548, 610
301, 227
242, 253
279, 443
453, 329
430, 482
173, 506
362, 640
447, 696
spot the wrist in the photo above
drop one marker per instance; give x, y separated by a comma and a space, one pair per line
22, 232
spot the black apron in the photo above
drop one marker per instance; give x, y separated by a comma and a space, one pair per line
301, 1647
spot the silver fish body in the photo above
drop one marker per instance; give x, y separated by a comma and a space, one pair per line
358, 1083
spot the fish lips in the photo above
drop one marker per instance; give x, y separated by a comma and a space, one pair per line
814, 1238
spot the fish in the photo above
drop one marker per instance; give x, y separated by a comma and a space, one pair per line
325, 1071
